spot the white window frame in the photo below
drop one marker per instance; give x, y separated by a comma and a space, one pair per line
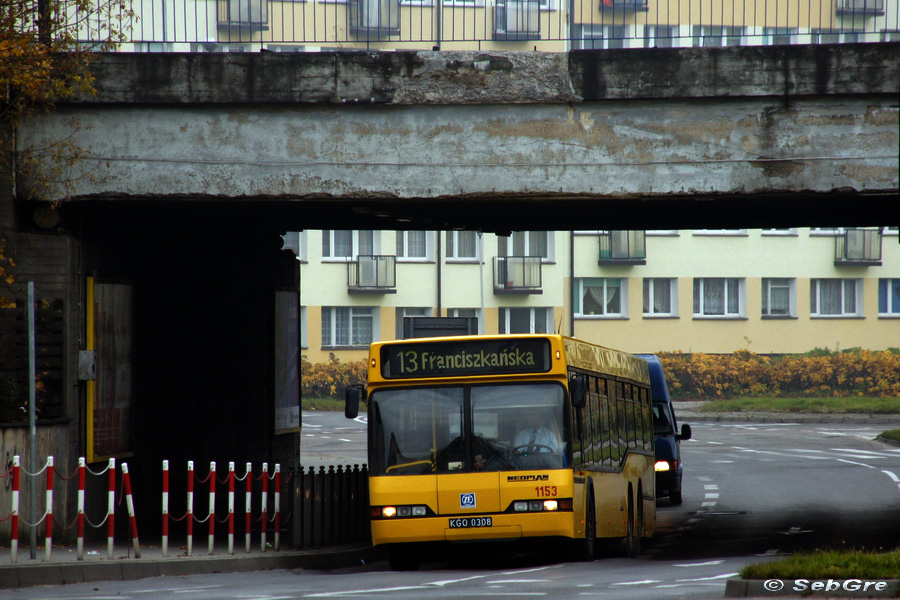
505, 244
296, 242
892, 302
355, 244
330, 337
534, 317
847, 296
771, 284
403, 247
648, 292
452, 248
469, 312
605, 286
700, 285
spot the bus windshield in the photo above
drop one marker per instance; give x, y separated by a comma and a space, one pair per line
452, 429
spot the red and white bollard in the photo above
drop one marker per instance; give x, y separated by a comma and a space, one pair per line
48, 541
265, 505
212, 506
165, 509
111, 509
14, 518
132, 521
190, 509
231, 508
277, 506
249, 494
82, 466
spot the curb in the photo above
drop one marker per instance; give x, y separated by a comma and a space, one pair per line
20, 576
816, 588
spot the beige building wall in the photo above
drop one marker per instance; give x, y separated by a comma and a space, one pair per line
801, 256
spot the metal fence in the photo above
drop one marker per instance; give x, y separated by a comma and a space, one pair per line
543, 25
331, 506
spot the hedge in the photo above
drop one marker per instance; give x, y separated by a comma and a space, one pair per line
815, 374
819, 373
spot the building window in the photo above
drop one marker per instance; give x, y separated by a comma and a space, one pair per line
718, 297
409, 312
660, 297
295, 241
834, 298
600, 297
526, 320
346, 244
526, 243
889, 297
414, 245
347, 326
462, 245
778, 297
304, 341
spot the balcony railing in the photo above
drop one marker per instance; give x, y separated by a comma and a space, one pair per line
372, 274
374, 19
517, 20
858, 247
624, 5
862, 8
253, 14
517, 275
622, 247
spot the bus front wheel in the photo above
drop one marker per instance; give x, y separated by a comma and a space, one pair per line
584, 549
402, 558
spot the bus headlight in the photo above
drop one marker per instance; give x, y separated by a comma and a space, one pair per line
550, 505
661, 465
389, 511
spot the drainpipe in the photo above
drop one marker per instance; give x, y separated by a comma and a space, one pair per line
438, 233
571, 283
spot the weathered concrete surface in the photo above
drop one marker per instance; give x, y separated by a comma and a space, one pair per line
761, 133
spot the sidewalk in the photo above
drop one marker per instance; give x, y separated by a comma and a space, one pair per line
689, 412
64, 567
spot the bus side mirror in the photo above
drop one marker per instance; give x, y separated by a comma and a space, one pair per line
353, 395
577, 391
685, 432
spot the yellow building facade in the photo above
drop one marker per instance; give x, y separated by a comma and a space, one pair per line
713, 291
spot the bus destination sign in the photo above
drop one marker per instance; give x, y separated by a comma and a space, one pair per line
460, 358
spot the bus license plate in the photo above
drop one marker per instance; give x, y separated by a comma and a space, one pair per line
465, 522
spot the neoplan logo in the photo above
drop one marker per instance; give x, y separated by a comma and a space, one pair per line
541, 477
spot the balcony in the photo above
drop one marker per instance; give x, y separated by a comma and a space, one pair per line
371, 274
622, 247
517, 20
374, 19
252, 14
860, 8
858, 247
623, 6
517, 275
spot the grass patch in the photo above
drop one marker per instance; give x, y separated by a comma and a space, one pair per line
332, 404
866, 405
836, 564
891, 435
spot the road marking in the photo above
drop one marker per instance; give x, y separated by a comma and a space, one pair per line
859, 464
710, 578
644, 582
702, 564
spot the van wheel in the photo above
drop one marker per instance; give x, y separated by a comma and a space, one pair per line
583, 550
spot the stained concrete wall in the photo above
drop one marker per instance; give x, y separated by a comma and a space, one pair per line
449, 139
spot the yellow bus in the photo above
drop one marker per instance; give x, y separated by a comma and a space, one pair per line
506, 437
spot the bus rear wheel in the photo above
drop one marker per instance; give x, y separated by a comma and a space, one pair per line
635, 527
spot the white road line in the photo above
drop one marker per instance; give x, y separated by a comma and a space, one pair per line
892, 476
643, 582
701, 564
859, 464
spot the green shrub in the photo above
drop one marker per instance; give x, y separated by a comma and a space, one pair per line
330, 379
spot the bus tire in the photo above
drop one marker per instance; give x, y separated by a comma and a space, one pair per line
584, 550
402, 559
633, 535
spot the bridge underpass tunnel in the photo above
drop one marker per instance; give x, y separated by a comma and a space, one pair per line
199, 283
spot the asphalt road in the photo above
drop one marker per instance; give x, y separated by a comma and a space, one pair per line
751, 492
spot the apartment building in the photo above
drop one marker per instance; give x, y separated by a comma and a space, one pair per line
770, 291
494, 25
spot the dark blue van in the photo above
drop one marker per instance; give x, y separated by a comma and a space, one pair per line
669, 468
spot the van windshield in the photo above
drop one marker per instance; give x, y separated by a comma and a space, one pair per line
663, 423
